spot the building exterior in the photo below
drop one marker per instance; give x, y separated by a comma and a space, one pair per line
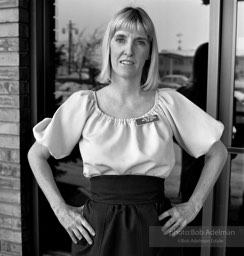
15, 178
181, 61
176, 62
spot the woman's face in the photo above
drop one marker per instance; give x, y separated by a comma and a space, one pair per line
129, 51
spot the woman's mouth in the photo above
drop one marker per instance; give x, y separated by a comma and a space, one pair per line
126, 62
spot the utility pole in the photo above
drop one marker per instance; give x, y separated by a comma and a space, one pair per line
179, 35
70, 30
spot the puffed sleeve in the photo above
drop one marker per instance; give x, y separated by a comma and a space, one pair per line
61, 133
194, 129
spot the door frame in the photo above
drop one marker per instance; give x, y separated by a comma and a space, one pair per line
222, 55
221, 63
212, 102
42, 37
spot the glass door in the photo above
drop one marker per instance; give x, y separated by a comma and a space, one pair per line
236, 192
228, 199
182, 28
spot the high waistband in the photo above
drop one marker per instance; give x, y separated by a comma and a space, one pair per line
127, 189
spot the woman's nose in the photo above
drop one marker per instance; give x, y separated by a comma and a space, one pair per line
129, 49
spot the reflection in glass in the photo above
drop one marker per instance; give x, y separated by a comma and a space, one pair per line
236, 206
236, 195
181, 27
238, 108
236, 199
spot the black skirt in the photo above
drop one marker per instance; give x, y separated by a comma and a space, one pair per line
121, 210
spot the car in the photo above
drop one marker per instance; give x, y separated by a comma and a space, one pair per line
173, 81
239, 85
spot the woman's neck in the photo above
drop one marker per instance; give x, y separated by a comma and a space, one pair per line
126, 87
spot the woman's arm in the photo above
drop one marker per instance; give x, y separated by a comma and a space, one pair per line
214, 163
182, 214
70, 217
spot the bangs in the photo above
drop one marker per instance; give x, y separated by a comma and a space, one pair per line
131, 21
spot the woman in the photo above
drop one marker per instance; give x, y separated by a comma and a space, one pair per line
125, 133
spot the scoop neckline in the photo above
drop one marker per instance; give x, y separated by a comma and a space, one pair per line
110, 117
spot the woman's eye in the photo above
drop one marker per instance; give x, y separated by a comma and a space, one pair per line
141, 43
120, 40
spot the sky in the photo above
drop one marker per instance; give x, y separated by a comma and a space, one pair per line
170, 17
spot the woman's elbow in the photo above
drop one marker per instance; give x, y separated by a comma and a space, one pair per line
223, 150
37, 151
218, 150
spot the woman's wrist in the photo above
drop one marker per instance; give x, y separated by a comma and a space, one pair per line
196, 204
56, 206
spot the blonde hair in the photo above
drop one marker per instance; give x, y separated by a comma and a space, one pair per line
135, 19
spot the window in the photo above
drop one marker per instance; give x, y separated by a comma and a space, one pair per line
77, 58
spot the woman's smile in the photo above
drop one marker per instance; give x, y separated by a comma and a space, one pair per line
126, 62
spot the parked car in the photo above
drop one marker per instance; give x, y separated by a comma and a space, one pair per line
173, 81
239, 85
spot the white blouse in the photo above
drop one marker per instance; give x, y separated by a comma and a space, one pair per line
134, 146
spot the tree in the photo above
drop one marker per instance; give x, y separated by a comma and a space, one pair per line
85, 51
59, 56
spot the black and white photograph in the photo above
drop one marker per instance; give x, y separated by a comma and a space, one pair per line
121, 127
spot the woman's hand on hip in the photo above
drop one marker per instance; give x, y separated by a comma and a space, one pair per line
180, 215
74, 222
